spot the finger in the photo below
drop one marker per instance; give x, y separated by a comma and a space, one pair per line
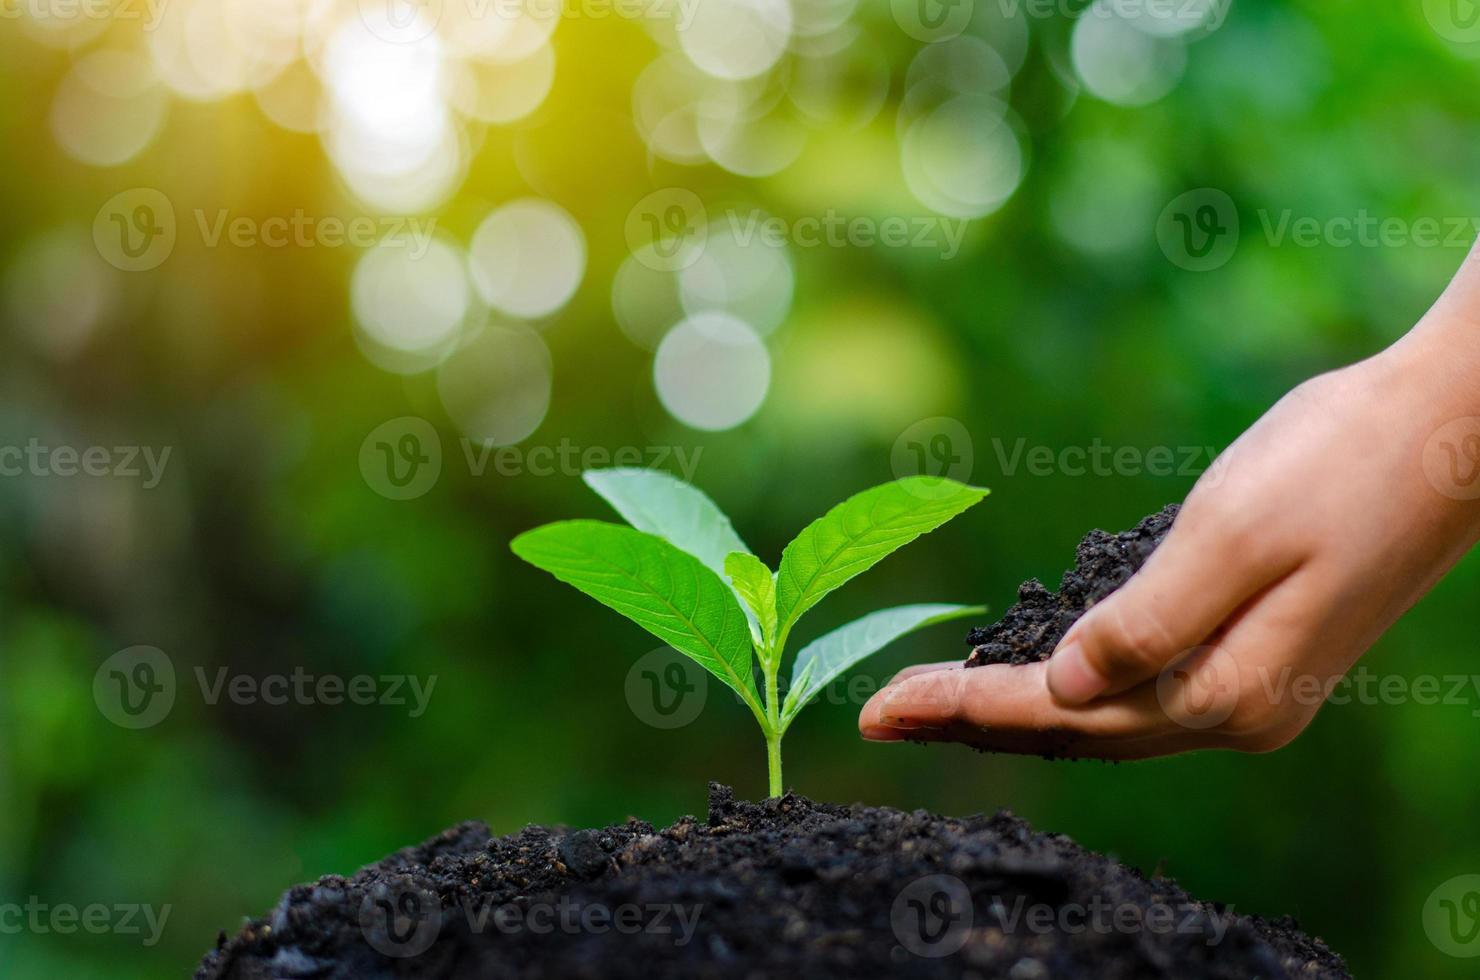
1004, 699
1069, 745
1004, 708
915, 669
1196, 579
1263, 679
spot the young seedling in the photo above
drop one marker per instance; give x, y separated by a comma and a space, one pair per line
668, 573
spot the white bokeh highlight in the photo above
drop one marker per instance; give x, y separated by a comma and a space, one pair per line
740, 273
1119, 62
407, 302
496, 386
527, 258
712, 372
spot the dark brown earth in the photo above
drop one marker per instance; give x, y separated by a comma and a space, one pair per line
786, 888
1033, 627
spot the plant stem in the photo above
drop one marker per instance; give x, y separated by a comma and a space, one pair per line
773, 730
773, 762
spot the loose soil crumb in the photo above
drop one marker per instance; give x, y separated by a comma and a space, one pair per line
780, 889
1033, 627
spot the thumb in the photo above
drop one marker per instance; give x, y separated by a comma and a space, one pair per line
1190, 585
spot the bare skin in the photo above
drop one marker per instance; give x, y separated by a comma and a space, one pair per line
1317, 529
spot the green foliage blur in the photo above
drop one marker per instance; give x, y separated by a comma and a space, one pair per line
1061, 323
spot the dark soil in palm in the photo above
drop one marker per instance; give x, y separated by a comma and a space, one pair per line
1103, 562
781, 889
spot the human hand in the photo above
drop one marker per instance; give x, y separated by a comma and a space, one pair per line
1313, 533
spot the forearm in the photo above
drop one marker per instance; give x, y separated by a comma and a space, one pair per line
1433, 374
1443, 350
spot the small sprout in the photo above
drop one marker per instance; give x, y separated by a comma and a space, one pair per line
683, 574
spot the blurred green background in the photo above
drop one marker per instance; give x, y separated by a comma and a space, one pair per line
1054, 139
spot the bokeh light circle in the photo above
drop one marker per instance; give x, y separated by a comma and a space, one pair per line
664, 106
844, 88
58, 292
528, 26
527, 258
407, 300
961, 66
741, 273
496, 386
502, 92
712, 372
963, 159
390, 132
108, 108
209, 49
814, 19
645, 300
293, 99
736, 38
1121, 64
752, 148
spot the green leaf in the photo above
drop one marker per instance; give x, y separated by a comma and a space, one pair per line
856, 534
666, 591
824, 659
757, 586
678, 512
655, 502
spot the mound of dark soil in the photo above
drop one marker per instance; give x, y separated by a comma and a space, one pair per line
1033, 627
781, 889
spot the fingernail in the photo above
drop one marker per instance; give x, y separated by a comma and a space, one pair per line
908, 724
1071, 679
881, 733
